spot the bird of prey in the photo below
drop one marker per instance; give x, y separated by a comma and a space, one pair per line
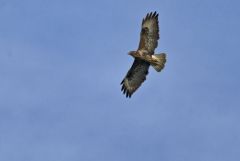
144, 56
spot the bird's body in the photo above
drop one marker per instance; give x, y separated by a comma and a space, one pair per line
144, 56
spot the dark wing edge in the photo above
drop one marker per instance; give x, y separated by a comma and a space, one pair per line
135, 77
149, 33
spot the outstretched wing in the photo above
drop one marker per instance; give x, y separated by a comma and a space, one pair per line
135, 77
149, 33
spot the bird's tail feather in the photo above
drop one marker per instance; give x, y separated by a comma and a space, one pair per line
159, 63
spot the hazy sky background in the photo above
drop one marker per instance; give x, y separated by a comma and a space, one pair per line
61, 64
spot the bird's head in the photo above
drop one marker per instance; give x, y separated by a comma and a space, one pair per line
132, 53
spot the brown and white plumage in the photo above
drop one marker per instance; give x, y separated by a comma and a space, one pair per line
135, 77
149, 33
144, 55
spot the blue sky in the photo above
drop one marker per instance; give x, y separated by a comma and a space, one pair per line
61, 64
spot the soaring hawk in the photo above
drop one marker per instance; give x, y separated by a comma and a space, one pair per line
144, 56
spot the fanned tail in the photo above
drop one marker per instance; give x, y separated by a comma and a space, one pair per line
159, 63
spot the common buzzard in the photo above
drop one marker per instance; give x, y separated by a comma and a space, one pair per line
144, 56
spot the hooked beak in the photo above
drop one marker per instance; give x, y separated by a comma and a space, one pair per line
131, 53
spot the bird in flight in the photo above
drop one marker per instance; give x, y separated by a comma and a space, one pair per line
144, 56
